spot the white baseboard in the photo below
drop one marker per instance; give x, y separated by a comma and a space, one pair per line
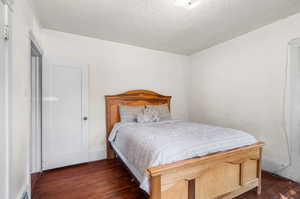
272, 166
97, 155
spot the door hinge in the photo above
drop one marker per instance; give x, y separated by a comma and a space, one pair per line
5, 32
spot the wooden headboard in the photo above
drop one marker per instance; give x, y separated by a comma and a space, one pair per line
130, 98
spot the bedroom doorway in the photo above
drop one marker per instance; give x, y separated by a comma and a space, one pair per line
65, 135
36, 113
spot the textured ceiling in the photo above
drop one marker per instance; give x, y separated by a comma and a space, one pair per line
158, 24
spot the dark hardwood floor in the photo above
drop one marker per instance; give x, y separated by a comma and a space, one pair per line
108, 179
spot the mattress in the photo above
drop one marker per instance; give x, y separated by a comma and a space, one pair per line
145, 145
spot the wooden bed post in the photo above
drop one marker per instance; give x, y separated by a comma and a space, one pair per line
259, 168
110, 152
155, 189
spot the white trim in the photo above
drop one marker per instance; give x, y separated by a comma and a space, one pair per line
37, 44
5, 87
44, 107
32, 38
97, 155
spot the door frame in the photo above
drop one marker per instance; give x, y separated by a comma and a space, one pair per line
5, 103
36, 44
47, 62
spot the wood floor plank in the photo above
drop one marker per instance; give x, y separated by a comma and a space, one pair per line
108, 179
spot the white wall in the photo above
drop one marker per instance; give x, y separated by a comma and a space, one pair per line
23, 21
116, 68
240, 84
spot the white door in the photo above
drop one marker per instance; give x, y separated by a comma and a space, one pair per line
65, 115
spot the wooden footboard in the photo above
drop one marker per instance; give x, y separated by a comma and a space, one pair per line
220, 175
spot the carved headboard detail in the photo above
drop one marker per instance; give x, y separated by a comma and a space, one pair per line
130, 98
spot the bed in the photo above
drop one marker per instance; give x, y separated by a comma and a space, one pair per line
215, 168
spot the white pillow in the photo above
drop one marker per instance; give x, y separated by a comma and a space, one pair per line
148, 116
130, 113
162, 110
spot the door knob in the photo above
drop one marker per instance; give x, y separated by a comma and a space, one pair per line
85, 118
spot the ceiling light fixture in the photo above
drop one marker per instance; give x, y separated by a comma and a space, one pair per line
183, 3
188, 4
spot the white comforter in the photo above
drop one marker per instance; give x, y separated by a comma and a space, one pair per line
145, 145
